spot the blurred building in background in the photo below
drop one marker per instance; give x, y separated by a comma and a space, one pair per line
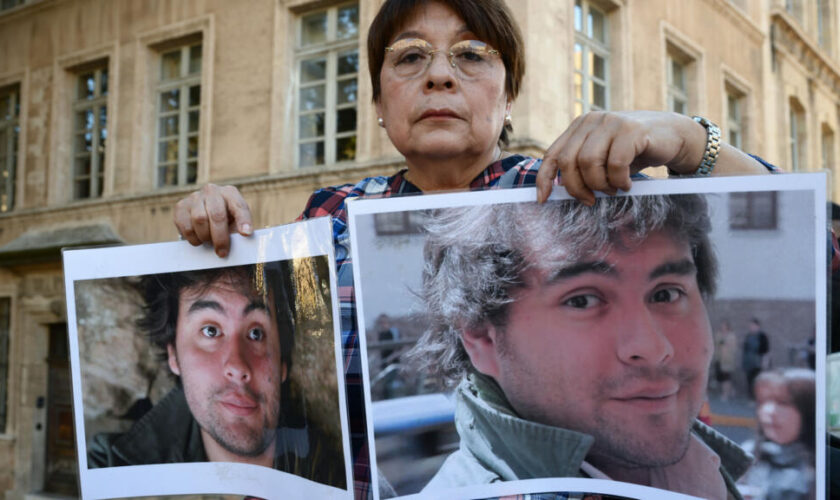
112, 110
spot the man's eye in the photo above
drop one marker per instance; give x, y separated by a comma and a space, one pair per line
667, 295
210, 331
256, 334
584, 301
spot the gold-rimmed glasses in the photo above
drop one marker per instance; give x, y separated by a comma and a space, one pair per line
411, 57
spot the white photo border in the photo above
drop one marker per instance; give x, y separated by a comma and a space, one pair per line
311, 238
815, 182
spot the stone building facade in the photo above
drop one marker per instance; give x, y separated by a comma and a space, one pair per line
112, 110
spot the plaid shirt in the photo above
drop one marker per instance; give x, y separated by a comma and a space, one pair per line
513, 171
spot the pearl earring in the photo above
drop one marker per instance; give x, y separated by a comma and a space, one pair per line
381, 122
508, 121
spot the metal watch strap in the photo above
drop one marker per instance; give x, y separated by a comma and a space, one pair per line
710, 154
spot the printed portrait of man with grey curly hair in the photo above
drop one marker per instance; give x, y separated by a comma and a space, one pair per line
579, 342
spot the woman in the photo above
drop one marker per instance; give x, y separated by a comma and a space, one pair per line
785, 448
444, 77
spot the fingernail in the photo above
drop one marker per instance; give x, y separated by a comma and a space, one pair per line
246, 229
221, 252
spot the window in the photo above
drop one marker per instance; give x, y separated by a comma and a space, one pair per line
735, 117
591, 58
9, 131
794, 7
796, 121
178, 109
10, 4
397, 223
827, 147
677, 75
327, 59
90, 132
824, 25
5, 324
752, 210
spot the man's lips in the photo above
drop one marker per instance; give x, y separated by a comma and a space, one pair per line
654, 397
443, 113
239, 405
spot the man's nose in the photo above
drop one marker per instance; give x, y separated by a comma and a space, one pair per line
441, 73
643, 340
236, 367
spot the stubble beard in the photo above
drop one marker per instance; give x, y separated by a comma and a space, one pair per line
237, 436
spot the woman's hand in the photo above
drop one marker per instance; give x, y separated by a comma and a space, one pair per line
211, 214
601, 150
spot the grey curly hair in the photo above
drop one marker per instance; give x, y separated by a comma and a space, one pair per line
475, 258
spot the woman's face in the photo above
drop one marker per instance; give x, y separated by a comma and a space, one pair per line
440, 113
779, 419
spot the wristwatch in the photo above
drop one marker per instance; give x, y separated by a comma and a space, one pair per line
710, 154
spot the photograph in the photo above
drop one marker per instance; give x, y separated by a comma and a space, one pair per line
193, 369
673, 337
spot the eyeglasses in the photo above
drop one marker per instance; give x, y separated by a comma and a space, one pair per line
411, 57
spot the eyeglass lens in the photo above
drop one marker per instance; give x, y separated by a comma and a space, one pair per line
411, 57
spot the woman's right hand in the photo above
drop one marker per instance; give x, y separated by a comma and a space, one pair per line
211, 214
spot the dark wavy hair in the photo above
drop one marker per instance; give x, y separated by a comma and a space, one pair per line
273, 280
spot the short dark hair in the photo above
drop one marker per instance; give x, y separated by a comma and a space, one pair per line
490, 20
161, 293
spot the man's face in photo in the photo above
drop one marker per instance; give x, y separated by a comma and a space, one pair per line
227, 353
616, 345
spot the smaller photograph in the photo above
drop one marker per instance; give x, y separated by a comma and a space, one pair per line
191, 369
672, 337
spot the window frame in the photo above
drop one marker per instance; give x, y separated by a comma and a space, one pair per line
752, 218
330, 49
600, 48
10, 162
676, 92
797, 135
5, 365
183, 83
96, 176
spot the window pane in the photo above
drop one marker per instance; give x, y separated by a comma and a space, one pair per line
578, 86
579, 57
168, 151
597, 25
578, 16
168, 126
348, 62
192, 147
193, 125
82, 167
195, 59
100, 179
347, 91
170, 65
313, 29
3, 139
192, 172
598, 66
346, 120
87, 86
6, 106
84, 143
195, 95
84, 120
81, 189
103, 82
677, 75
345, 148
348, 22
599, 95
678, 106
103, 118
169, 101
167, 175
732, 103
312, 70
312, 98
312, 125
312, 154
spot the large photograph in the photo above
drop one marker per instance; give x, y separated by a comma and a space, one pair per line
673, 337
193, 366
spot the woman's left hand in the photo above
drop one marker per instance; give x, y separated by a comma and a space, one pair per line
601, 150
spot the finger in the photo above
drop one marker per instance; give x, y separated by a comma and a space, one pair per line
624, 150
217, 220
182, 222
198, 215
238, 211
567, 159
593, 155
549, 168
